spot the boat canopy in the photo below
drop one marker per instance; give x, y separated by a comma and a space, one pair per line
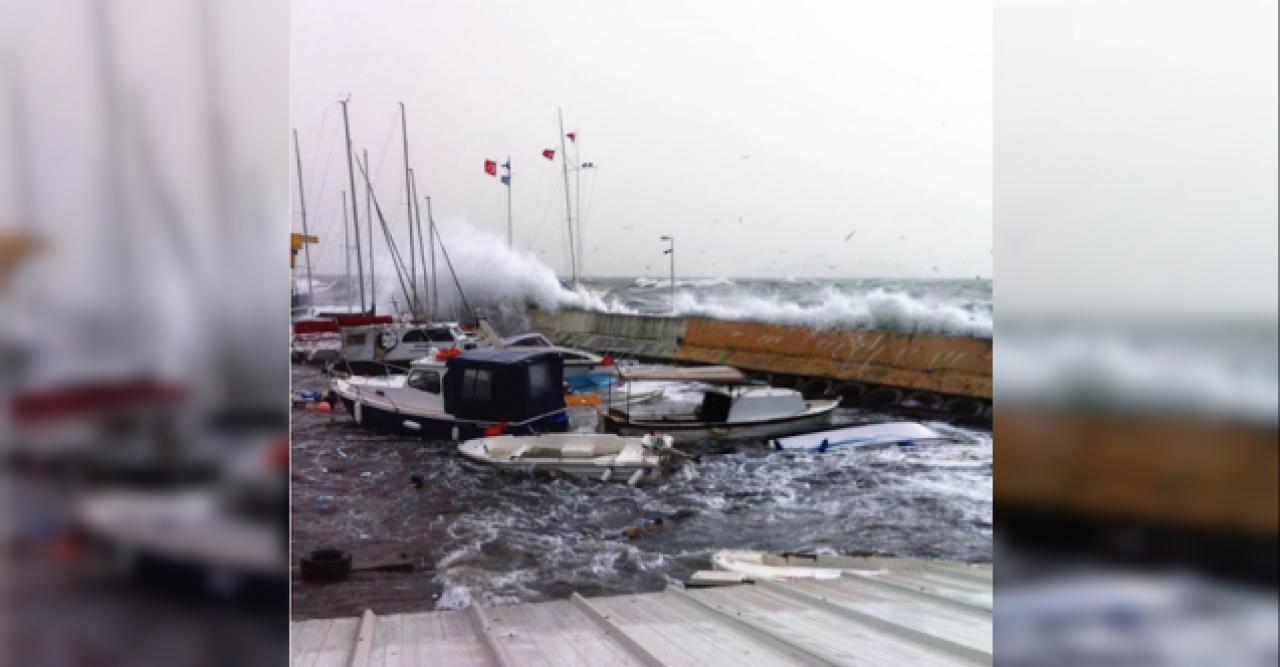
512, 385
707, 374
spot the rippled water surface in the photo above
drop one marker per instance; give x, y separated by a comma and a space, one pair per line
492, 537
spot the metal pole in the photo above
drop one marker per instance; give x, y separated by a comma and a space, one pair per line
671, 240
368, 214
417, 220
673, 275
511, 238
577, 199
435, 284
302, 203
408, 202
355, 211
568, 206
346, 250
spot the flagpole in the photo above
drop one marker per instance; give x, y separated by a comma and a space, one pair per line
568, 206
577, 196
511, 239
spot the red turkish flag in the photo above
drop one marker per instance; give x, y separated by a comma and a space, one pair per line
549, 154
491, 167
573, 136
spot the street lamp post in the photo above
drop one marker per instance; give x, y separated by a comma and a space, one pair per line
672, 252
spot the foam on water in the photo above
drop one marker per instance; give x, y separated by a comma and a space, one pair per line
503, 281
490, 537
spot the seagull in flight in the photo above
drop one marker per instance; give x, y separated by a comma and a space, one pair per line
745, 157
850, 235
628, 227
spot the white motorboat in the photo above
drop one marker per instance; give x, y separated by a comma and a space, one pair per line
595, 456
731, 411
457, 395
377, 347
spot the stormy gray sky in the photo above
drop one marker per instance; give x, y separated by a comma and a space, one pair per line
871, 118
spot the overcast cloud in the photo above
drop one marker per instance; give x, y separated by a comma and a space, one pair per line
870, 117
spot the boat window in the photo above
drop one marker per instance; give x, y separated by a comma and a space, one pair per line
440, 335
531, 341
477, 384
428, 381
539, 379
414, 336
355, 339
573, 356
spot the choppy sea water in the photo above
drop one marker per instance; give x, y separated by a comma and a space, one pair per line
484, 536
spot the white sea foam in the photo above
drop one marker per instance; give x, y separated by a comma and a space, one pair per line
878, 308
503, 281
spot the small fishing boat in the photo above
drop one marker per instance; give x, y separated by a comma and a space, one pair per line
457, 395
595, 456
867, 435
731, 410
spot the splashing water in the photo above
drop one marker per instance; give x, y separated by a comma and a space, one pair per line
503, 282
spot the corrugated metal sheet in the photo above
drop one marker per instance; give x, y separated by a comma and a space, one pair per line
911, 612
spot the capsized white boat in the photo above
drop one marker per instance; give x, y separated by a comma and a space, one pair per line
598, 456
867, 435
758, 566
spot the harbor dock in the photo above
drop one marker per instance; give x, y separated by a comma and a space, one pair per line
890, 612
944, 373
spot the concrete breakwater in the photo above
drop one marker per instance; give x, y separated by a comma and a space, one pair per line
930, 371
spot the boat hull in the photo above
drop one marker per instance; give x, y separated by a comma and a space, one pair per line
435, 428
693, 432
649, 472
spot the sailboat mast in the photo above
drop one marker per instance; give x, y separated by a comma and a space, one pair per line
568, 207
431, 243
408, 202
302, 204
355, 210
417, 222
346, 250
368, 219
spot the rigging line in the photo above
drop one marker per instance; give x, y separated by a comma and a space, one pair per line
541, 219
386, 145
396, 258
324, 174
466, 306
591, 192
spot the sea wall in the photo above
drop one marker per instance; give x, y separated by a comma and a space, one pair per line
940, 365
